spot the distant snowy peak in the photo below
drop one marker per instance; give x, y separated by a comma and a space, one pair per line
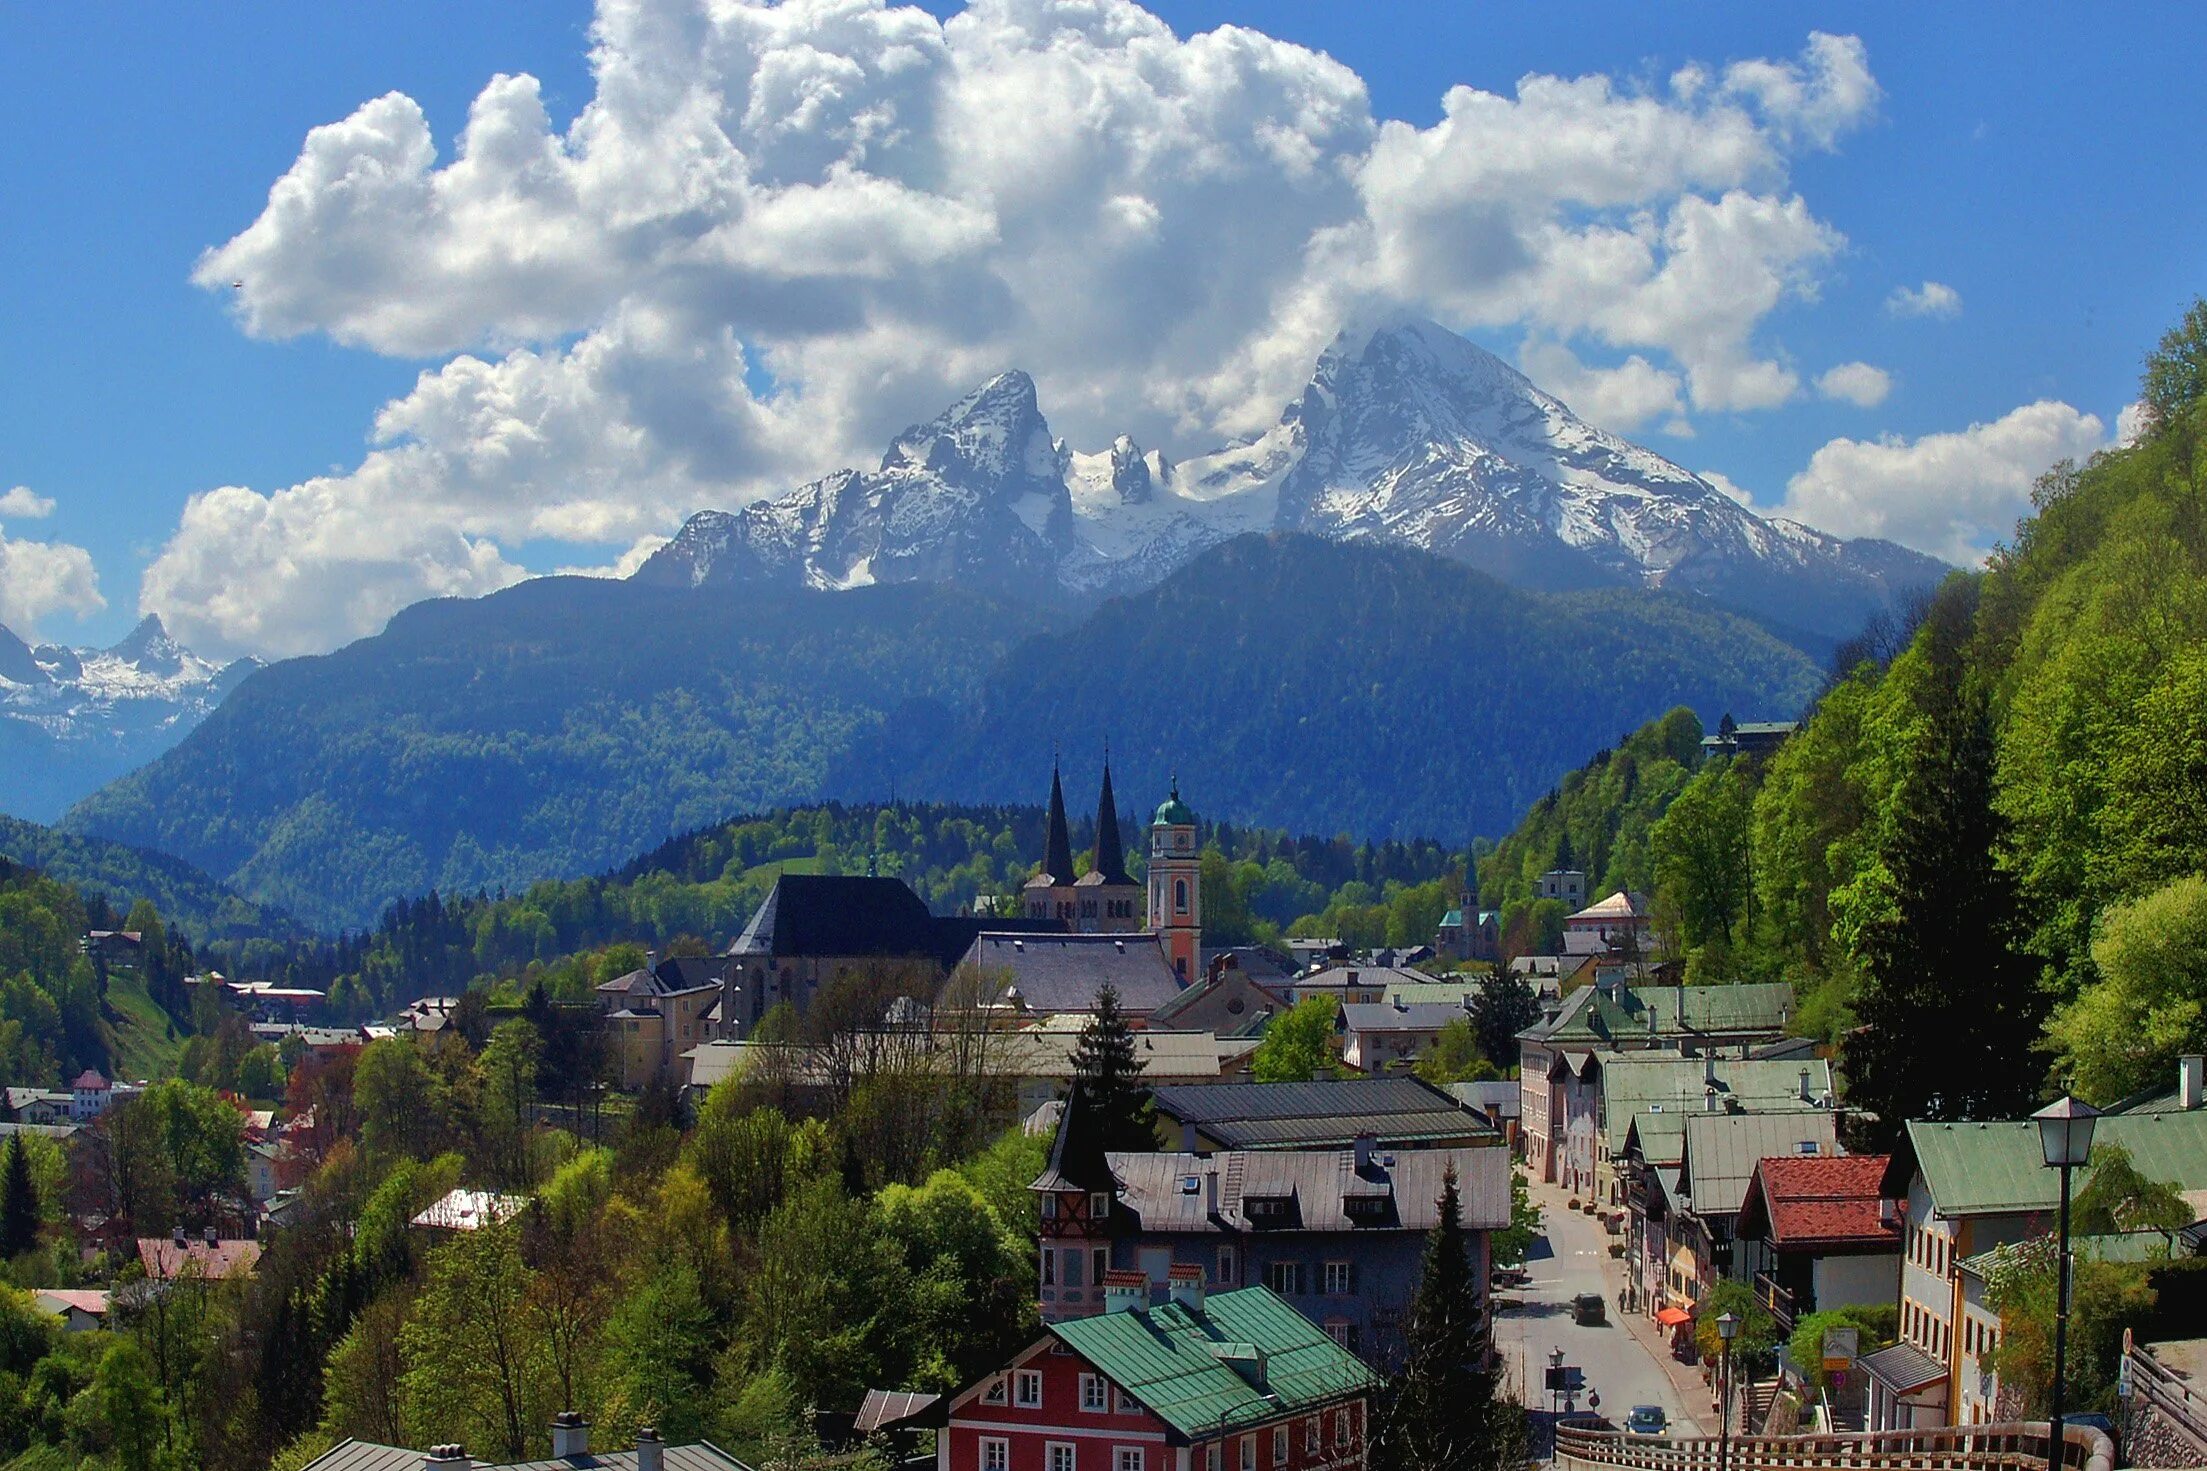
1405, 433
93, 714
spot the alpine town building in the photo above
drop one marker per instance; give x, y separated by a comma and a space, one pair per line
1234, 1381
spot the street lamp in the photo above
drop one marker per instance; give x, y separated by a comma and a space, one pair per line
1555, 1378
2065, 1138
1728, 1327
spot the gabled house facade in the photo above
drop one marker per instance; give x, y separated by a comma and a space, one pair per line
1232, 1381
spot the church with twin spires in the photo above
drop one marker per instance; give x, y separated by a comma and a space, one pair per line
1107, 900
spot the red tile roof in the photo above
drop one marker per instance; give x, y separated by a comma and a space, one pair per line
164, 1260
1806, 1201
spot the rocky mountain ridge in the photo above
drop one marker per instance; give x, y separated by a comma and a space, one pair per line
1407, 435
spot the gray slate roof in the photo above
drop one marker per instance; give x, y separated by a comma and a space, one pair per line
1399, 1111
1155, 1188
1902, 1368
1057, 974
1411, 1016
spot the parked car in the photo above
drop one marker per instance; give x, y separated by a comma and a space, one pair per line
1647, 1420
1587, 1310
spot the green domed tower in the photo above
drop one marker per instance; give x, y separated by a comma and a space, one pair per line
1176, 886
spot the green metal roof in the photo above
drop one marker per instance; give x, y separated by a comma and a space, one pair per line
1976, 1169
2123, 1246
1676, 1010
1172, 812
1167, 1357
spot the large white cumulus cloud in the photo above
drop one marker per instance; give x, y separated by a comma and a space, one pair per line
775, 234
1951, 494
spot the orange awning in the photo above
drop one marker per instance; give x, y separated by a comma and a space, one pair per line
1672, 1317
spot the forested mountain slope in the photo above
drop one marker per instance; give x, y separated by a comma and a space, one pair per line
1355, 688
562, 726
555, 728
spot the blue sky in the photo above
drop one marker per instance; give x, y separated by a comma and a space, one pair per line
2035, 159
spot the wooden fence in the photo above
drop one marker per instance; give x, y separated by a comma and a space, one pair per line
2020, 1445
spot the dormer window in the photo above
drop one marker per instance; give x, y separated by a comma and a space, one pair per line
1266, 1208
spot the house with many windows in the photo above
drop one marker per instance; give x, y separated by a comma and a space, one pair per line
1228, 1381
1966, 1189
1337, 1234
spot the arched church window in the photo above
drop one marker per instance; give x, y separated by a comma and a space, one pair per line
1180, 896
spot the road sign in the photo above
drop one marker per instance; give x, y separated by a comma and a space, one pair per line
1840, 1348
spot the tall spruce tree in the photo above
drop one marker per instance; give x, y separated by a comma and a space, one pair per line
1108, 1072
18, 1202
1443, 1414
1950, 1005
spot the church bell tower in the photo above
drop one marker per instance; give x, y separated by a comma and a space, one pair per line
1176, 887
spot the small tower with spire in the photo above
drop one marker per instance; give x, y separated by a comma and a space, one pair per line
1176, 886
1108, 899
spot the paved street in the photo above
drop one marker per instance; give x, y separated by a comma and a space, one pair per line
1571, 1258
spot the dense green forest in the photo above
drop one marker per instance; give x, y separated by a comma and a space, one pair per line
560, 726
1372, 690
552, 729
1989, 830
188, 899
699, 890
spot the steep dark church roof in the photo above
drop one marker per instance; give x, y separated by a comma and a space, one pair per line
845, 914
1057, 853
1077, 1159
1110, 864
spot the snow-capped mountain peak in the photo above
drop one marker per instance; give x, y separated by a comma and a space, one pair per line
1405, 432
96, 713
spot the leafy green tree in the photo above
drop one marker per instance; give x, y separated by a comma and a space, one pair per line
1754, 1345
131, 1406
1443, 1412
827, 1298
659, 1352
395, 1096
1514, 1242
261, 1072
1701, 850
1299, 1045
1455, 1057
2150, 1005
200, 1137
475, 1363
2176, 370
507, 1070
1108, 1073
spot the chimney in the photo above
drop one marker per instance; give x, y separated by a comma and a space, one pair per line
2191, 1081
651, 1451
1709, 1069
1187, 1285
212, 1238
570, 1435
1187, 1138
1709, 1098
181, 1239
1210, 1192
1365, 1144
1124, 1291
445, 1455
1806, 1096
1888, 1211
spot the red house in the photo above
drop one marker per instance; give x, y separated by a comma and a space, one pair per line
1236, 1382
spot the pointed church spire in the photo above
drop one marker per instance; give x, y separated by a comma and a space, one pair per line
1057, 856
1110, 851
